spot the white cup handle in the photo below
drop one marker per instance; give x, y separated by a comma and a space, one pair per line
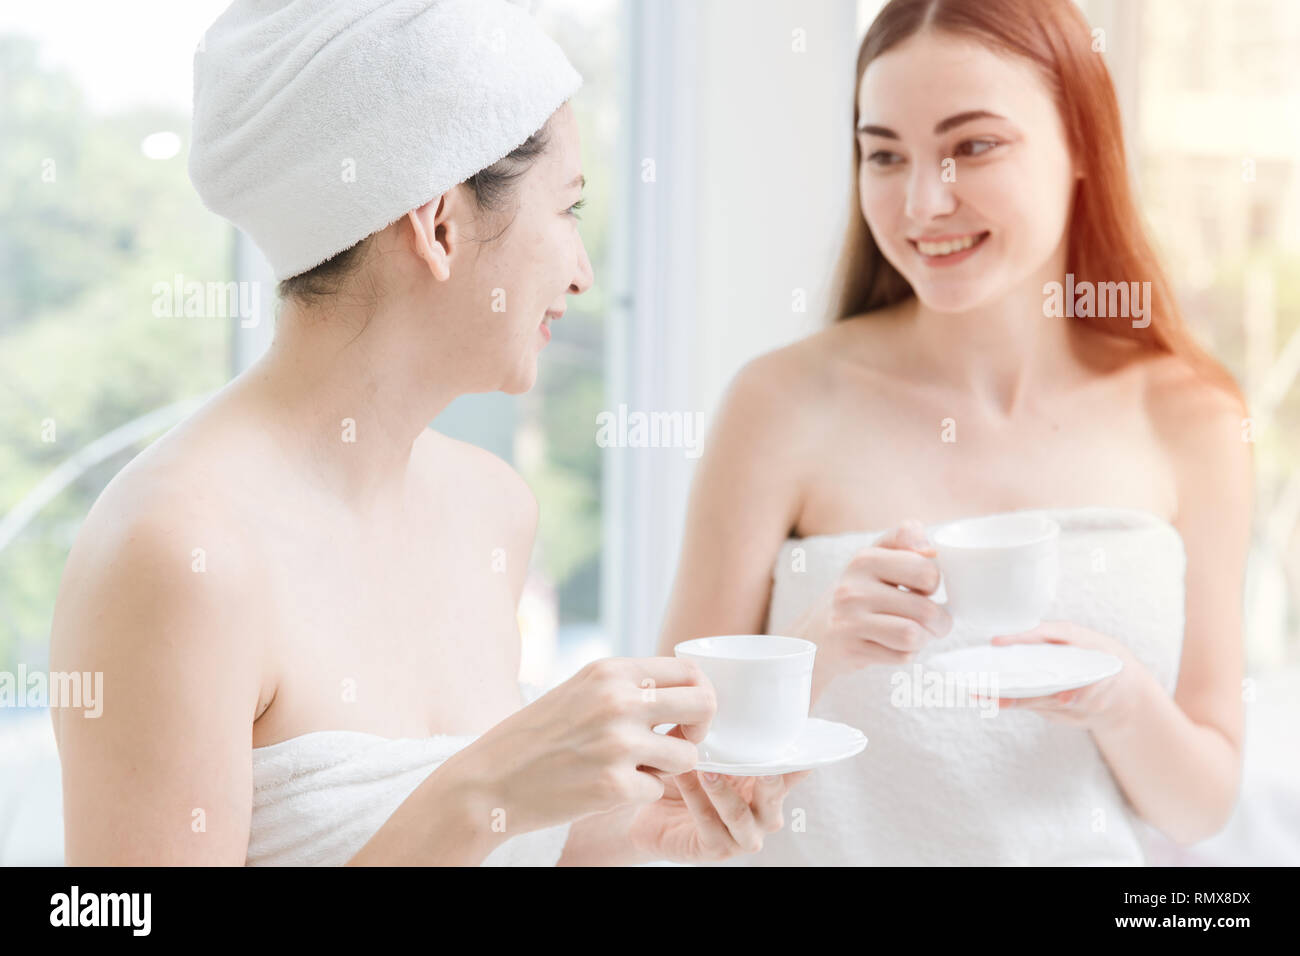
935, 596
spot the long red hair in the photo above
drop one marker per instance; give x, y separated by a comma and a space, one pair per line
1107, 241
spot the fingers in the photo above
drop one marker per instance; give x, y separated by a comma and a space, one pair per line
1050, 632
1066, 700
654, 688
669, 754
798, 776
1033, 636
645, 788
900, 634
714, 836
900, 568
768, 799
884, 599
1062, 700
691, 708
735, 813
658, 672
1049, 708
909, 534
728, 824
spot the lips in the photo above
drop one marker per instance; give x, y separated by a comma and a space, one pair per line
545, 327
947, 236
951, 244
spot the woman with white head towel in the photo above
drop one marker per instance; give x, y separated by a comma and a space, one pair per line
302, 599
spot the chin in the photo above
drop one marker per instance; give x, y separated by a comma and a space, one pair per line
956, 298
522, 381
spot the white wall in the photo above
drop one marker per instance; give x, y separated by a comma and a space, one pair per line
746, 109
774, 148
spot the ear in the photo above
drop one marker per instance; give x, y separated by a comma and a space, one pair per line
436, 234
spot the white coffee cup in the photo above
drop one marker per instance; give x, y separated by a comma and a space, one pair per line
764, 689
999, 572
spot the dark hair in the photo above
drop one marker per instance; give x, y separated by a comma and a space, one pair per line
493, 188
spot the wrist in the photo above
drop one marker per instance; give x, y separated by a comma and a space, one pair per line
1133, 700
606, 839
446, 821
812, 626
471, 811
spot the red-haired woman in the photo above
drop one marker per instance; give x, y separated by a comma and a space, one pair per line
958, 380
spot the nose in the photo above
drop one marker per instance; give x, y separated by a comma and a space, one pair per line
584, 279
928, 195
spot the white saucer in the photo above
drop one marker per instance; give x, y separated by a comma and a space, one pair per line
821, 742
1025, 670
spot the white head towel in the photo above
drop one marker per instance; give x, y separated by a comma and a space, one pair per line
317, 123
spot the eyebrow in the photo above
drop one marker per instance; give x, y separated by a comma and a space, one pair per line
941, 127
579, 181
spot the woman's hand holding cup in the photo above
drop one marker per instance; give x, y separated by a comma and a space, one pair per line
867, 617
589, 745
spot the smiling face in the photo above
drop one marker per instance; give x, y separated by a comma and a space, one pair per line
966, 231
525, 273
492, 265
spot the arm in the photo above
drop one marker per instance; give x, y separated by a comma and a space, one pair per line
747, 497
1178, 759
162, 776
745, 500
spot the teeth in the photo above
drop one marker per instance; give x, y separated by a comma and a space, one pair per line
947, 247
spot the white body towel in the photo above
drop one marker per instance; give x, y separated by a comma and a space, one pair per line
318, 798
946, 786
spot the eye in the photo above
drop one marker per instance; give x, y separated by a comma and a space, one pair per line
877, 158
573, 210
990, 143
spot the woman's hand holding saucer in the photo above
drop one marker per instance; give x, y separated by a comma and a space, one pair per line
1101, 705
706, 818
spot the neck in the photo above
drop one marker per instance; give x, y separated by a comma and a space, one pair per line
349, 400
1000, 352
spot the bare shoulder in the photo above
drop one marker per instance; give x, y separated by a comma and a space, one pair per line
789, 388
161, 592
488, 498
860, 341
475, 476
199, 484
166, 527
790, 366
1184, 407
1206, 431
